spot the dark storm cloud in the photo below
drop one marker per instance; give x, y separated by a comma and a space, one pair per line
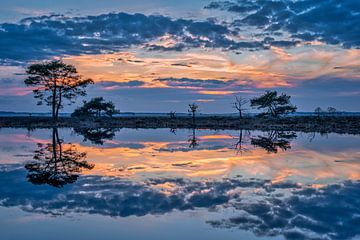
330, 212
329, 21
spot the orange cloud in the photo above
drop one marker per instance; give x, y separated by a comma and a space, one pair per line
277, 67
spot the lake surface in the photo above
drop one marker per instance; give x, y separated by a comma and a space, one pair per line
178, 184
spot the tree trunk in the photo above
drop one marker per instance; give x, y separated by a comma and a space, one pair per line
54, 143
54, 105
58, 106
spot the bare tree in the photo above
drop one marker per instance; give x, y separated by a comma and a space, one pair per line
193, 109
239, 105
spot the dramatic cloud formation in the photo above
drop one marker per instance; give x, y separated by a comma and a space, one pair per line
286, 24
47, 36
237, 47
328, 21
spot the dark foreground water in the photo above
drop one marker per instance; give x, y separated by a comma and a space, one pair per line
178, 184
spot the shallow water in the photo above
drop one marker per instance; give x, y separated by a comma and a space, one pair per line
178, 184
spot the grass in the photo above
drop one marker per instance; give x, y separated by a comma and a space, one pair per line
324, 124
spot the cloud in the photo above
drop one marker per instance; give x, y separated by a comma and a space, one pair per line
328, 21
196, 83
111, 85
47, 36
43, 37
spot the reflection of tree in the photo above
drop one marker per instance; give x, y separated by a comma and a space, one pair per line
56, 164
96, 135
193, 141
240, 141
173, 131
274, 141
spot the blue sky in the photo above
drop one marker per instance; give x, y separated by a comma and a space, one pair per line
158, 56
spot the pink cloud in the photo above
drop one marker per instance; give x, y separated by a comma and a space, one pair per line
15, 91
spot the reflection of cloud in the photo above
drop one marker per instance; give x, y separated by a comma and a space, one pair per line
262, 207
321, 161
329, 212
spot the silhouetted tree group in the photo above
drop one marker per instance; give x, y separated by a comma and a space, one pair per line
274, 105
53, 82
96, 107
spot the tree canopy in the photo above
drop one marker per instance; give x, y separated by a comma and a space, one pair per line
274, 104
55, 81
96, 107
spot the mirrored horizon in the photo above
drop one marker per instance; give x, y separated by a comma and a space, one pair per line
266, 184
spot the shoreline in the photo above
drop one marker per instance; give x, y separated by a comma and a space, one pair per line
324, 124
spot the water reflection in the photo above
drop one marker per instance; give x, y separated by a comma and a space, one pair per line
96, 135
239, 145
193, 141
283, 183
56, 163
260, 206
274, 140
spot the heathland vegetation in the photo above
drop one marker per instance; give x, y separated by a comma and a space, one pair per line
56, 83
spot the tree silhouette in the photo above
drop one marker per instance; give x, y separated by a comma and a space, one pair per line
96, 135
331, 110
55, 81
239, 104
275, 105
240, 141
96, 107
318, 111
55, 164
172, 114
274, 141
193, 109
193, 141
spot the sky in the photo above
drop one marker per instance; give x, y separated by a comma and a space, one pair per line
159, 56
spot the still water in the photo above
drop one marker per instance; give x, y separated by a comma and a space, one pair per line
178, 184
